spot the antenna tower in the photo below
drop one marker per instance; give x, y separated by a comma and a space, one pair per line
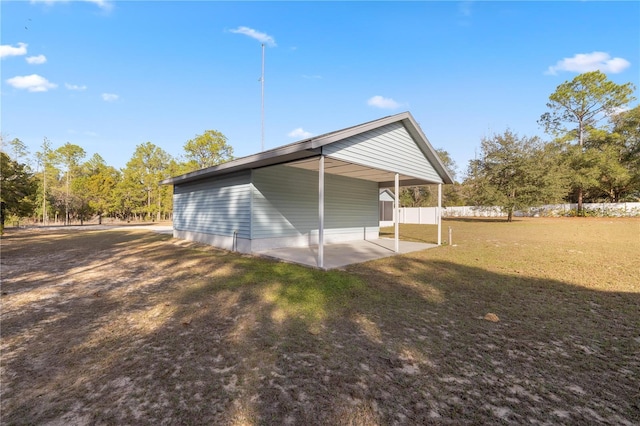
262, 89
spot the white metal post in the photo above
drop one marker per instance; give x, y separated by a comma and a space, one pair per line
439, 213
397, 215
321, 213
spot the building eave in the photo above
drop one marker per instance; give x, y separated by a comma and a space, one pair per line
313, 147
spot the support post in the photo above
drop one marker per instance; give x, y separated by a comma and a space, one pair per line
397, 215
439, 214
321, 212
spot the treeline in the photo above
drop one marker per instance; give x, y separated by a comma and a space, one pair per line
59, 185
593, 155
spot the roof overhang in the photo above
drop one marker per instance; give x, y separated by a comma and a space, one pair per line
298, 154
263, 159
334, 166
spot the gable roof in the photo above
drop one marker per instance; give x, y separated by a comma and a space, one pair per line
386, 195
312, 147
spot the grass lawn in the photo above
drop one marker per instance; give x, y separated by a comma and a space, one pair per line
131, 327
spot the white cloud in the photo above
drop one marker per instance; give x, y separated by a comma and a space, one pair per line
75, 87
465, 8
261, 37
36, 60
616, 111
381, 102
299, 133
110, 97
32, 83
102, 4
586, 62
312, 77
7, 50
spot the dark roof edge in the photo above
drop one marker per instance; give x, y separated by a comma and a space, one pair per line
265, 158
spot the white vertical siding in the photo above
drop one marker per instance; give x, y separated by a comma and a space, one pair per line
285, 203
390, 148
218, 206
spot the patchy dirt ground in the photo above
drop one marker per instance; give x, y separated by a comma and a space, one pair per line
131, 327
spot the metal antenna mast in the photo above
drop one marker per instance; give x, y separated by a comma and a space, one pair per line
262, 84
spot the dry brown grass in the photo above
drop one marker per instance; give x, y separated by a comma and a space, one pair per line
116, 327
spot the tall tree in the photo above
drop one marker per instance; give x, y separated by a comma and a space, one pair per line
45, 161
208, 149
625, 144
20, 151
577, 106
69, 155
142, 175
515, 173
17, 189
96, 187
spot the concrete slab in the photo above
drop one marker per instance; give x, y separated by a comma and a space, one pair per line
339, 255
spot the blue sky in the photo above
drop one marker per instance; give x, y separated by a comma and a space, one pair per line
109, 75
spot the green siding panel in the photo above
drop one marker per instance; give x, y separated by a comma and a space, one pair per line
218, 206
285, 203
389, 148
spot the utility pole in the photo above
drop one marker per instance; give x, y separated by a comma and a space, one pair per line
262, 89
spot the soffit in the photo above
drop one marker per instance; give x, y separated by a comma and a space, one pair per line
342, 168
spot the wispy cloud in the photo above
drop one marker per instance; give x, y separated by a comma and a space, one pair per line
261, 37
36, 60
102, 4
110, 97
299, 133
75, 87
7, 50
465, 12
465, 8
586, 62
312, 77
384, 103
31, 83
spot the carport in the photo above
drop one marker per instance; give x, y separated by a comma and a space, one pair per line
329, 256
313, 202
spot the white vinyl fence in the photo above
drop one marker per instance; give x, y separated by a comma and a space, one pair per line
429, 215
549, 210
420, 215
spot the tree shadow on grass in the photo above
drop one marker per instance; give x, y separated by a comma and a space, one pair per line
413, 232
195, 335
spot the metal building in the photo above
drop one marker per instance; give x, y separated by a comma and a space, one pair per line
318, 191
